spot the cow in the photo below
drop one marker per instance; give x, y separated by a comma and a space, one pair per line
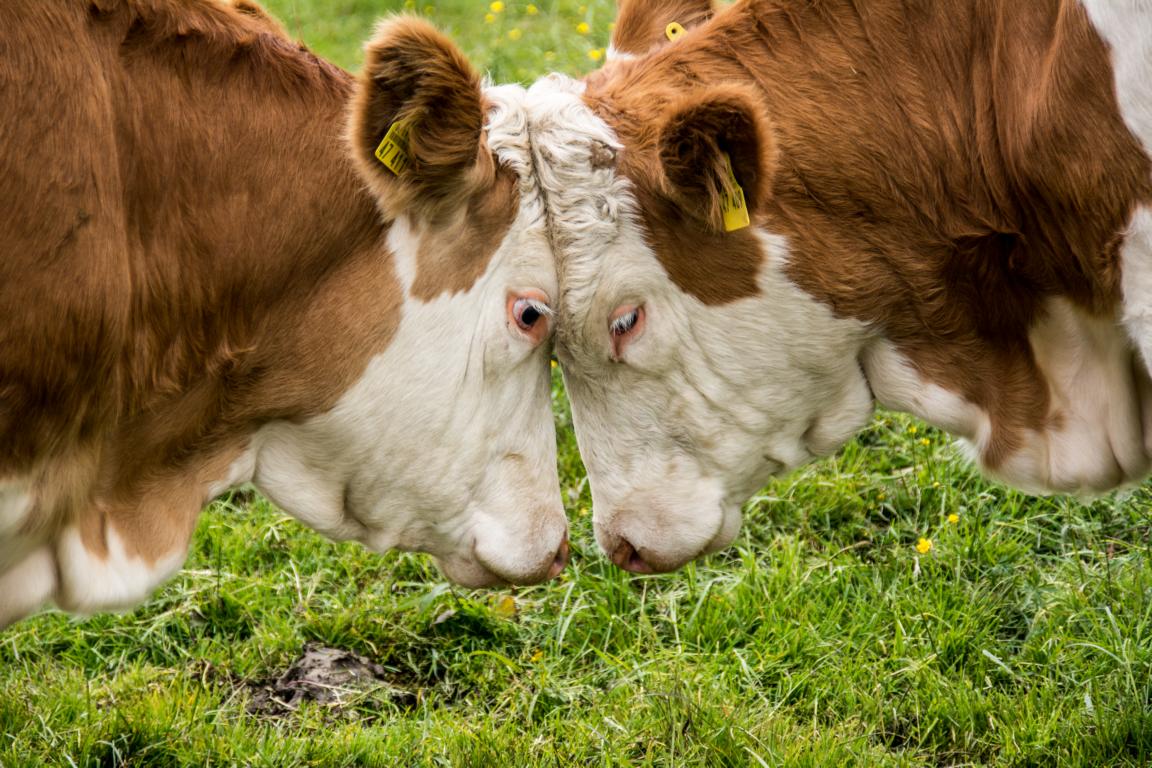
773, 216
208, 278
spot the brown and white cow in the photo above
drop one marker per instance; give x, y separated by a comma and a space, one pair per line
951, 214
198, 290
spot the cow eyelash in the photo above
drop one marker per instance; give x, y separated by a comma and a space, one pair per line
524, 305
540, 307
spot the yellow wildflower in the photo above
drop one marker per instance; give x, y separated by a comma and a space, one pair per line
489, 18
531, 10
925, 441
912, 429
496, 7
554, 363
515, 34
582, 28
537, 656
506, 606
595, 54
953, 518
924, 546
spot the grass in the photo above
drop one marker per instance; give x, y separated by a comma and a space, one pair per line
1023, 637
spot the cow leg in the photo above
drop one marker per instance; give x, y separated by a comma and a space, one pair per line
27, 586
113, 577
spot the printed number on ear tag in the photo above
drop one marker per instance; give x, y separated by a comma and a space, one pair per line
732, 202
393, 149
673, 31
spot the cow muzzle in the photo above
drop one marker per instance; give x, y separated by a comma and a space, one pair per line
641, 544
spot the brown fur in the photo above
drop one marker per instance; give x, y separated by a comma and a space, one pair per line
188, 254
942, 170
641, 24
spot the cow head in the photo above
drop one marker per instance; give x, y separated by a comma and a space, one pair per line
447, 441
695, 369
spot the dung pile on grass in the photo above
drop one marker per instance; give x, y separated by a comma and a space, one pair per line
331, 677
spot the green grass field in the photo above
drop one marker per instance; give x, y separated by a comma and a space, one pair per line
825, 637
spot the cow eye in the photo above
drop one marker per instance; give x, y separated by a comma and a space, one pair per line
528, 312
623, 324
528, 316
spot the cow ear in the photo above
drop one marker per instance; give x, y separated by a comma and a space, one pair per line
642, 25
417, 120
717, 153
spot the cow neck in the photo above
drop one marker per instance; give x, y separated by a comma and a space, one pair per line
261, 282
936, 167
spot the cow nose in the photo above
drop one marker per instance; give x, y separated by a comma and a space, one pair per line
626, 556
561, 559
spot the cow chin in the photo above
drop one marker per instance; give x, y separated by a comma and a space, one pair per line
469, 573
499, 554
661, 530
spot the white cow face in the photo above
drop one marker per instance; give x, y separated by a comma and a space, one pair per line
446, 445
695, 369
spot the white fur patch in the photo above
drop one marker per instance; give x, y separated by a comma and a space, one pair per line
15, 505
239, 472
898, 385
612, 54
1136, 280
91, 583
1126, 25
1090, 369
27, 586
404, 244
1098, 404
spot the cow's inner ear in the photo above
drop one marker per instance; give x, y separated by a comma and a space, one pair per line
711, 142
641, 25
417, 121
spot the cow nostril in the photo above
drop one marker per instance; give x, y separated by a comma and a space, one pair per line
626, 556
560, 560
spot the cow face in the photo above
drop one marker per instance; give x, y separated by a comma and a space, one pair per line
695, 369
446, 445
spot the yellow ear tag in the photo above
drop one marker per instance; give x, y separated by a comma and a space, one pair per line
732, 202
673, 31
393, 149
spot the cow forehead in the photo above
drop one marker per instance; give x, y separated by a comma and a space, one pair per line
588, 203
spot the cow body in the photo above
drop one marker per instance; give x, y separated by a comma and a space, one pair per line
199, 291
950, 213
